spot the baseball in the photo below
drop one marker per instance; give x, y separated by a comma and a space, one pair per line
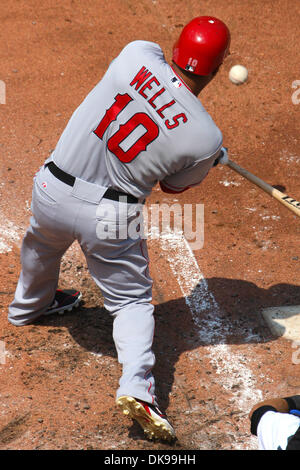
238, 74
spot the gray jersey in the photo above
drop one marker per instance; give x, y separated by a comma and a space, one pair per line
140, 124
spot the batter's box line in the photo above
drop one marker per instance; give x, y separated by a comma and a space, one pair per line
2, 92
2, 353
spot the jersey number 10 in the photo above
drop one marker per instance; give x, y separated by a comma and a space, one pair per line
113, 143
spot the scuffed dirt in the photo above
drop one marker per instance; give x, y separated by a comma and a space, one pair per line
60, 375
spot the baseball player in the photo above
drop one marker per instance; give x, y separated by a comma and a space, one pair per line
141, 124
276, 423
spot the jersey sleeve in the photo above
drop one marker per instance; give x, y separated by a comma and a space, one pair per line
188, 177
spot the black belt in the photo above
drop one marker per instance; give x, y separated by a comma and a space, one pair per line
70, 180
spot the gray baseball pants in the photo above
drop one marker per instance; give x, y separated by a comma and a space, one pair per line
117, 263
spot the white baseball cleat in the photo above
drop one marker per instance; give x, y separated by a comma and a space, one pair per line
154, 423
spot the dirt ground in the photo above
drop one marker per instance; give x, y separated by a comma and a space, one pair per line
59, 377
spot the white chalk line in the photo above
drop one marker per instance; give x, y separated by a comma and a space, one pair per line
9, 234
214, 329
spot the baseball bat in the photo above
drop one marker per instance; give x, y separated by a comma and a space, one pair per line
283, 198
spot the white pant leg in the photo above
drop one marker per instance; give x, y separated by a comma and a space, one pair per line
43, 246
133, 335
40, 261
120, 269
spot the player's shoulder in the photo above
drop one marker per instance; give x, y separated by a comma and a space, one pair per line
141, 44
141, 47
205, 136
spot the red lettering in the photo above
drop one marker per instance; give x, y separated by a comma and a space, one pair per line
148, 85
138, 119
151, 101
121, 101
140, 77
142, 82
165, 106
140, 145
176, 121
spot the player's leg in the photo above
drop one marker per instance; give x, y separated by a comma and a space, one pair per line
45, 242
126, 287
118, 262
37, 284
119, 266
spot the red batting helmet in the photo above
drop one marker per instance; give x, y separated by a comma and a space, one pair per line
202, 45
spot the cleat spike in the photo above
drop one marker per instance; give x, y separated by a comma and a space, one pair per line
154, 424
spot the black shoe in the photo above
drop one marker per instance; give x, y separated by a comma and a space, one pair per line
65, 300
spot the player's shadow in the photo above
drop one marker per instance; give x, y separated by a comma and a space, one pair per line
218, 311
